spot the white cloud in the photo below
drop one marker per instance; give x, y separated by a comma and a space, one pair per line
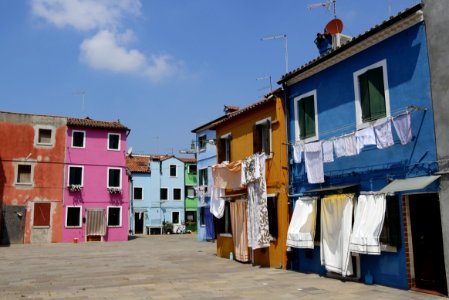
84, 14
107, 51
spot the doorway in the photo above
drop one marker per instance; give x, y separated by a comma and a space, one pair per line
13, 224
138, 222
427, 243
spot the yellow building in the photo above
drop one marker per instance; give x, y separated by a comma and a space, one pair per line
257, 128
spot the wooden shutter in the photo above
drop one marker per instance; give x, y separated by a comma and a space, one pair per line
41, 214
96, 222
309, 116
257, 145
376, 93
266, 145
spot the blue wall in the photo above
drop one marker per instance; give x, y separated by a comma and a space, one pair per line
409, 84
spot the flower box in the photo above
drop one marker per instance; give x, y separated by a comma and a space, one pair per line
114, 190
75, 188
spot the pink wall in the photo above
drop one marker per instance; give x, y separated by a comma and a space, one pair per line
96, 158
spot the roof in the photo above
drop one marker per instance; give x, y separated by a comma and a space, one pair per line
88, 122
268, 98
138, 164
188, 160
331, 53
207, 125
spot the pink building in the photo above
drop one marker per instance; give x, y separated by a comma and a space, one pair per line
96, 197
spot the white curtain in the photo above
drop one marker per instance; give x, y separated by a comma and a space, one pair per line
301, 231
368, 222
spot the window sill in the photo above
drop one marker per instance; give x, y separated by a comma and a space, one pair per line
41, 227
114, 226
362, 125
75, 147
73, 227
44, 144
116, 150
24, 183
309, 139
228, 235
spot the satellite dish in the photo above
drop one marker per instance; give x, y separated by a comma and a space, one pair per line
130, 151
334, 27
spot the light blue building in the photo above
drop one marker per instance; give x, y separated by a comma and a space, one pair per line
371, 81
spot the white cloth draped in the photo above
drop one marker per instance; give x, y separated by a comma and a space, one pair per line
384, 136
297, 153
402, 124
301, 231
313, 157
364, 138
328, 151
368, 222
217, 203
345, 145
336, 223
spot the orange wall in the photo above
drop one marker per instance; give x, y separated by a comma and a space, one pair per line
241, 129
17, 145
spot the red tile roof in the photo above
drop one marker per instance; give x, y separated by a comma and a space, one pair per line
88, 122
138, 164
187, 160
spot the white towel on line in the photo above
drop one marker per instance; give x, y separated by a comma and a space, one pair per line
402, 124
384, 136
301, 231
313, 157
217, 203
364, 138
345, 145
297, 153
328, 151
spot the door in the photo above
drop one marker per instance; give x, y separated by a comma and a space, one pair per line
427, 242
138, 222
14, 224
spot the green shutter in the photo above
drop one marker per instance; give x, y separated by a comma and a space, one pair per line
306, 110
376, 93
364, 97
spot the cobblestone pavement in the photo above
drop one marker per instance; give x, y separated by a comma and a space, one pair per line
161, 267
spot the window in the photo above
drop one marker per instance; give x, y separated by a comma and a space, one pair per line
113, 141
192, 169
391, 235
114, 216
203, 177
272, 215
75, 175
191, 216
190, 191
224, 224
224, 149
173, 171
202, 142
176, 194
175, 217
164, 193
371, 93
306, 117
114, 178
78, 139
138, 193
73, 216
202, 216
24, 174
41, 214
44, 136
262, 137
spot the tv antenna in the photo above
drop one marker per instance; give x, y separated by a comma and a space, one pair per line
329, 4
280, 37
264, 78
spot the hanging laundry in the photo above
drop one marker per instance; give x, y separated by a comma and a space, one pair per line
365, 137
250, 170
239, 216
403, 127
368, 222
346, 145
201, 194
328, 151
301, 231
217, 203
336, 223
297, 153
227, 175
384, 136
258, 228
313, 157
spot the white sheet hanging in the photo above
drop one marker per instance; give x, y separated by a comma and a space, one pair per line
368, 222
313, 157
217, 203
364, 138
328, 151
297, 153
384, 136
346, 145
336, 223
402, 124
301, 231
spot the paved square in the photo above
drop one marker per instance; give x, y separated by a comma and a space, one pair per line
161, 267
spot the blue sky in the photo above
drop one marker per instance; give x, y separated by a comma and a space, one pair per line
161, 67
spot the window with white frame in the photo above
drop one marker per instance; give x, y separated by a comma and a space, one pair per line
138, 193
75, 176
224, 149
73, 216
24, 174
371, 93
190, 191
173, 171
114, 178
113, 141
44, 135
262, 137
78, 139
306, 118
203, 177
192, 169
164, 193
202, 142
175, 217
176, 194
114, 216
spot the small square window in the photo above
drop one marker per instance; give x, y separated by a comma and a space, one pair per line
175, 217
73, 216
75, 175
224, 148
190, 191
24, 174
203, 177
138, 193
78, 139
173, 171
176, 194
114, 178
114, 216
202, 142
192, 169
262, 137
113, 141
164, 194
44, 136
191, 216
41, 214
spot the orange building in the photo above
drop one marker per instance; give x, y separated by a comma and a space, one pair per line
257, 128
32, 149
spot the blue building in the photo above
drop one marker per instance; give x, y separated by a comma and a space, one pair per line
158, 183
355, 101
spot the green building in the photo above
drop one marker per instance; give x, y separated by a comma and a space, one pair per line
191, 201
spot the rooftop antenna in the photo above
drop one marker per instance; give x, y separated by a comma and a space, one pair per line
329, 4
279, 37
83, 94
264, 78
